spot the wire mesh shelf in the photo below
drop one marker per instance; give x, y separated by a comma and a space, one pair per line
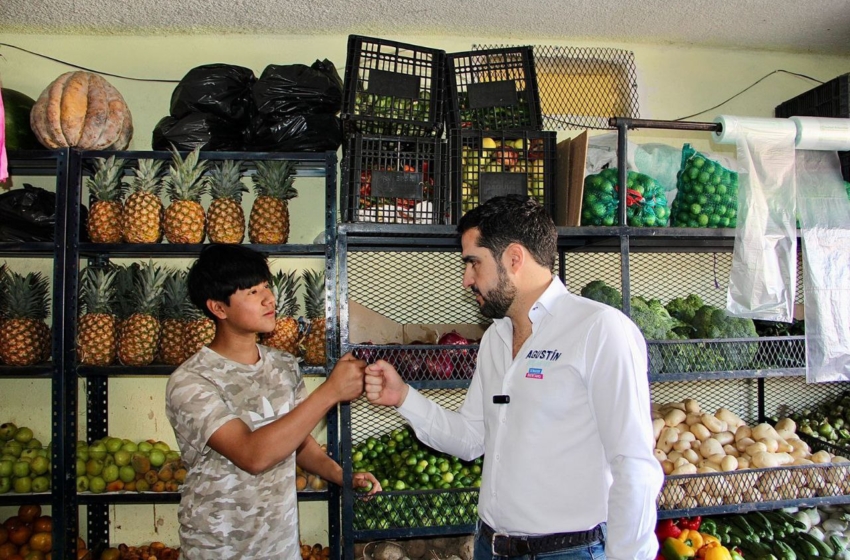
583, 87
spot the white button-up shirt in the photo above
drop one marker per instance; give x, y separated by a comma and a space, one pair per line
574, 445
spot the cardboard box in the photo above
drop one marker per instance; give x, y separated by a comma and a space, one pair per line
569, 180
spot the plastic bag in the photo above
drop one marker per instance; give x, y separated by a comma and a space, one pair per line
222, 90
29, 215
707, 192
647, 205
300, 133
297, 89
197, 129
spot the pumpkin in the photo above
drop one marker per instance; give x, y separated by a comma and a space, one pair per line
82, 110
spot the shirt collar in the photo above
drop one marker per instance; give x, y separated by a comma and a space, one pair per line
546, 302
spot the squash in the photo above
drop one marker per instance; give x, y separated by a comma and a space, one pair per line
82, 110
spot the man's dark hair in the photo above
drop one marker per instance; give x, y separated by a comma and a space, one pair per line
221, 270
503, 220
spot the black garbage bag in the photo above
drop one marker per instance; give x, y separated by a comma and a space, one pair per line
297, 89
300, 133
198, 129
29, 215
223, 90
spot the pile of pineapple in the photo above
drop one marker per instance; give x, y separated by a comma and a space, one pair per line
24, 307
141, 218
141, 314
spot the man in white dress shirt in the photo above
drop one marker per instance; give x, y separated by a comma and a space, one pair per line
558, 404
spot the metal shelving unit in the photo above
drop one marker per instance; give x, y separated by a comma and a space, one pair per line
66, 252
51, 163
775, 362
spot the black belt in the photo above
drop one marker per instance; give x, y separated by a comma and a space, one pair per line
506, 545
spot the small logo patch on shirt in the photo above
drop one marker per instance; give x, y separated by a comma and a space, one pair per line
534, 373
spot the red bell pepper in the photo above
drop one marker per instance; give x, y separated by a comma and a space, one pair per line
690, 522
666, 528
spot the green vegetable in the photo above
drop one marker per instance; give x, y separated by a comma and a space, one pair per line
645, 198
598, 290
707, 193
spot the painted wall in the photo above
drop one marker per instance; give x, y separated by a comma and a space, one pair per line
673, 81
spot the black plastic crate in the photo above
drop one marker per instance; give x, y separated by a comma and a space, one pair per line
831, 99
486, 164
394, 180
393, 88
493, 89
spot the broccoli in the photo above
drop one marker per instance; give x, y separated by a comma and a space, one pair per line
713, 322
598, 290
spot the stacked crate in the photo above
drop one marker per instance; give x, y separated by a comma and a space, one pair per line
496, 146
393, 153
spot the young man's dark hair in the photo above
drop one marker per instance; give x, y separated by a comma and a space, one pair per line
221, 270
514, 219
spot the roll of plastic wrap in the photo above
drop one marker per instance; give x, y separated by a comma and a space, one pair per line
818, 133
734, 128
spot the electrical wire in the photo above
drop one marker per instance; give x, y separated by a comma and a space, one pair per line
78, 67
748, 88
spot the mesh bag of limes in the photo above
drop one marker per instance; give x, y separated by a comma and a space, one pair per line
707, 193
645, 200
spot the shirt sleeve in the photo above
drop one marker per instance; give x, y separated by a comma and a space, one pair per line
458, 433
619, 394
196, 409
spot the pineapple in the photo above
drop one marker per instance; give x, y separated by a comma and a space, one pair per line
269, 220
286, 334
24, 335
143, 208
140, 332
200, 330
184, 217
107, 189
225, 218
313, 345
97, 332
172, 346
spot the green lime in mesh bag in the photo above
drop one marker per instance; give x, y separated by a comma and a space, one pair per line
707, 193
645, 200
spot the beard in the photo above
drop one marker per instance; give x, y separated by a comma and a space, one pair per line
498, 300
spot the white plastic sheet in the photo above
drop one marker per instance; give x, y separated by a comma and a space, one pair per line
825, 229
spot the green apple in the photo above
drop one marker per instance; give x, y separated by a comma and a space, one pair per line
122, 457
82, 483
97, 485
21, 469
110, 473
157, 458
127, 473
7, 431
40, 484
97, 450
39, 466
113, 444
22, 485
145, 446
23, 435
94, 467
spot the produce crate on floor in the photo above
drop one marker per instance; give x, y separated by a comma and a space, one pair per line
394, 180
393, 88
487, 164
493, 89
831, 99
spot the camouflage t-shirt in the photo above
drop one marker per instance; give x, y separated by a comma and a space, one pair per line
226, 512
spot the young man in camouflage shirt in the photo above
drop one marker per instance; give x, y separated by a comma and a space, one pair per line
243, 418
